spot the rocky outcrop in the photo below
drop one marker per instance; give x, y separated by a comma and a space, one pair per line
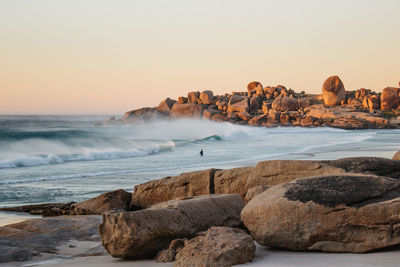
184, 185
23, 240
346, 117
396, 156
264, 174
276, 105
118, 200
333, 91
390, 98
336, 213
218, 246
143, 233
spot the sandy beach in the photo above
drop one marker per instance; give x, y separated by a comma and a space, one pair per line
263, 257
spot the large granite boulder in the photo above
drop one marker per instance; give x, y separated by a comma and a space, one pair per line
118, 200
390, 98
23, 240
189, 110
238, 104
285, 104
206, 97
193, 96
333, 91
218, 246
166, 105
255, 88
141, 234
336, 213
168, 188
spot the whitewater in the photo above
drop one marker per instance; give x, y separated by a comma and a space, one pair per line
66, 158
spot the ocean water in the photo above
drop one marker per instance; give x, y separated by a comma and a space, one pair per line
66, 158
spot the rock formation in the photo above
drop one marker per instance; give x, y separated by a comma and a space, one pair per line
143, 233
333, 91
276, 105
218, 246
264, 174
334, 213
23, 240
390, 98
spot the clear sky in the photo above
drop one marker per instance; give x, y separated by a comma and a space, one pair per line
71, 57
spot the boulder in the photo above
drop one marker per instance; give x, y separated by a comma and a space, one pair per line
166, 105
255, 103
243, 115
218, 246
141, 234
187, 110
238, 104
145, 114
335, 213
390, 98
9, 254
184, 185
193, 96
368, 165
118, 200
209, 113
285, 104
168, 254
273, 172
182, 100
255, 88
396, 156
23, 240
333, 91
371, 102
206, 97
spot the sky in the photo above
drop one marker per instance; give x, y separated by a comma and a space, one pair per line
108, 57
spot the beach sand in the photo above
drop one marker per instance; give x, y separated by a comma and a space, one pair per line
14, 217
264, 257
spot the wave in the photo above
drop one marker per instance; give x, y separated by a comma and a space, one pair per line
29, 161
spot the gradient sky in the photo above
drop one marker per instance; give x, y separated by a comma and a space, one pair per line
71, 57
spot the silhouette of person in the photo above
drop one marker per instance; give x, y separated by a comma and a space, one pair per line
201, 152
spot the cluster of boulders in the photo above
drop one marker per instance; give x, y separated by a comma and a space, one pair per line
212, 217
277, 105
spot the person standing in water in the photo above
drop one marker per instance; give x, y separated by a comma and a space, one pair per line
201, 152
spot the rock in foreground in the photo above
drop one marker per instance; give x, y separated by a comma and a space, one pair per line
341, 213
219, 246
141, 234
23, 240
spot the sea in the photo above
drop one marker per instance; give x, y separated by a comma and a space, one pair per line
46, 159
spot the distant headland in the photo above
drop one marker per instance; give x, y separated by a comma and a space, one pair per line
278, 106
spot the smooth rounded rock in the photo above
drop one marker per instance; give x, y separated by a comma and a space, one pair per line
333, 91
